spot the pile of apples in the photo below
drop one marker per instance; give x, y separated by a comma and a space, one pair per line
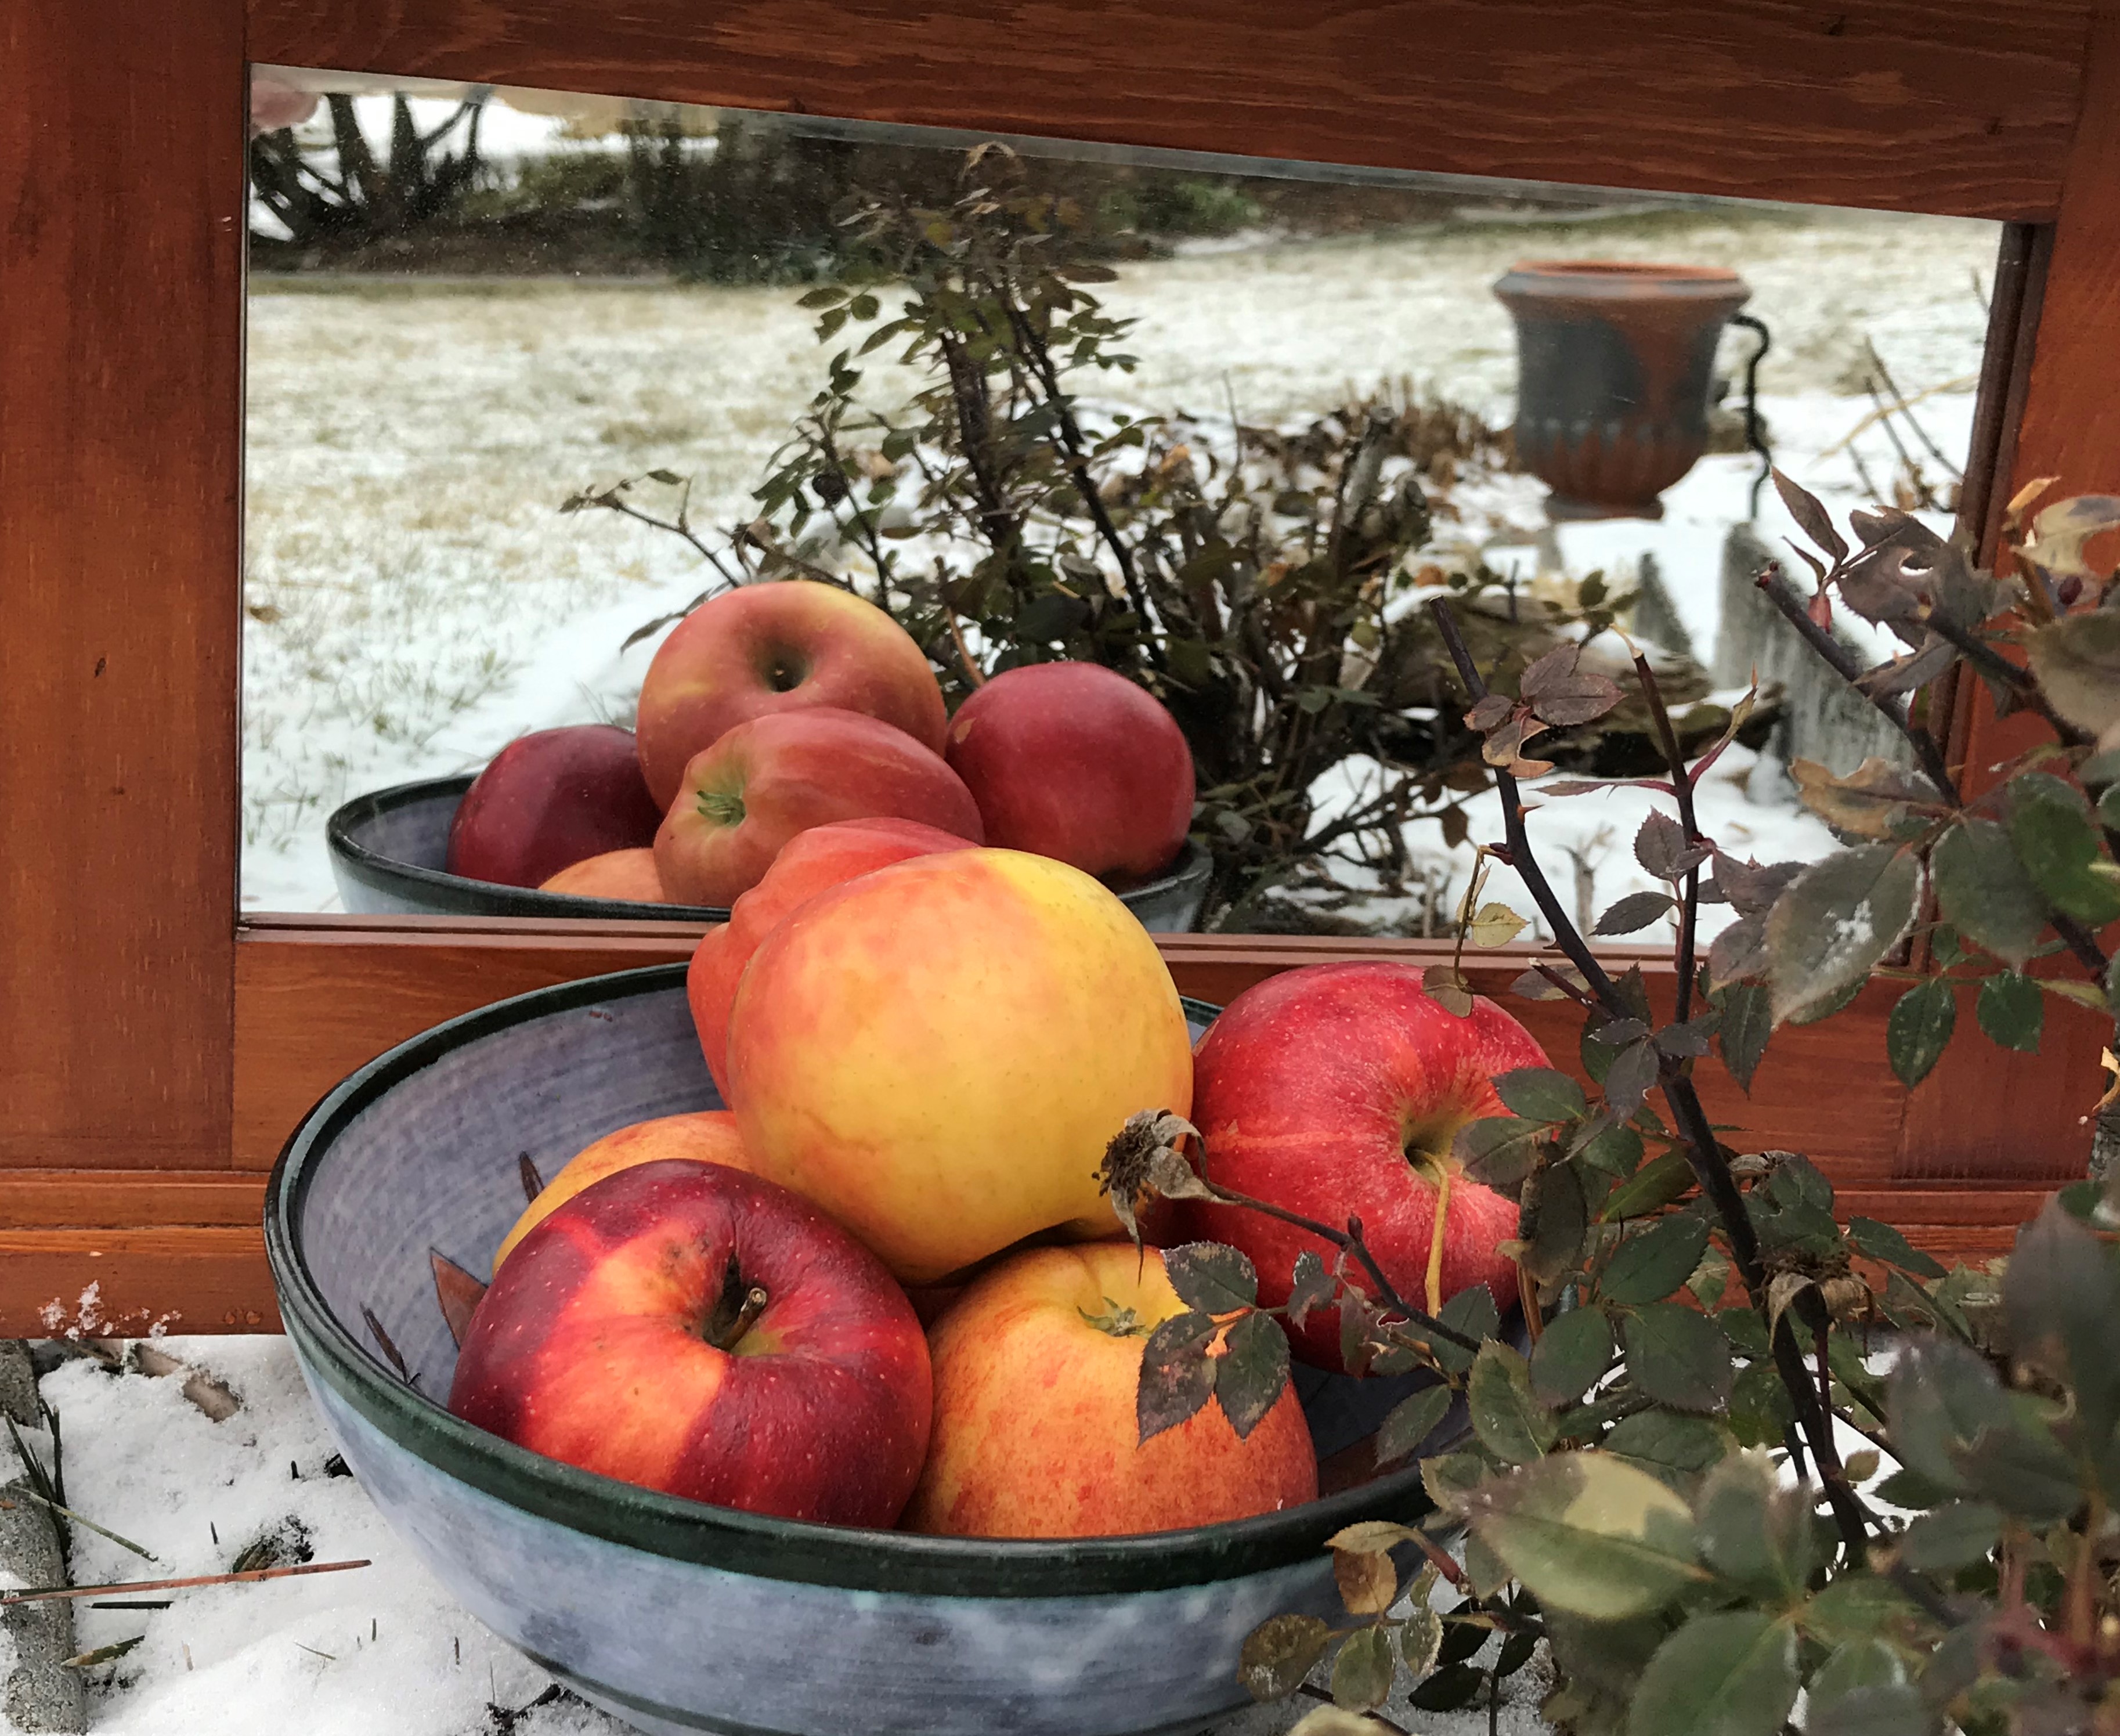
778, 707
884, 1286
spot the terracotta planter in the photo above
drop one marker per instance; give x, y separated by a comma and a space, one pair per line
1614, 364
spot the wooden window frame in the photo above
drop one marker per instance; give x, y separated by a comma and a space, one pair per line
155, 1049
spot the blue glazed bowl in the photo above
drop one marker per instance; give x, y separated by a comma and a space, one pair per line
388, 849
676, 1617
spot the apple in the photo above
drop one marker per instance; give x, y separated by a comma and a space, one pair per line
744, 798
777, 647
692, 1329
626, 874
705, 1136
939, 1052
547, 800
1035, 1369
1074, 762
1340, 1088
811, 862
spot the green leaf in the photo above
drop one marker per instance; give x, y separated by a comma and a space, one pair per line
2050, 824
1753, 1530
1748, 1020
1861, 1663
1410, 1421
1636, 910
1760, 1408
1837, 919
1891, 1710
1211, 1277
1588, 1535
1669, 1446
1280, 1653
1500, 1151
1252, 1372
1472, 1312
2022, 1468
1177, 1374
1650, 1266
1912, 1491
1362, 1674
1617, 1151
1509, 1421
2062, 1294
1420, 1640
1653, 1187
1855, 1605
1733, 1674
1677, 1356
1882, 1242
1575, 1349
1919, 1029
2077, 660
1984, 892
2012, 1012
1564, 1217
1952, 1537
1940, 1397
1745, 1331
1541, 1094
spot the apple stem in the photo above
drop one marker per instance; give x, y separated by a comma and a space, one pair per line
755, 1300
1434, 1274
723, 807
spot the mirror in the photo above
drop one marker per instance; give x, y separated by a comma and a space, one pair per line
530, 373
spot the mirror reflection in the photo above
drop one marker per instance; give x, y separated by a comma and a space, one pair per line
893, 414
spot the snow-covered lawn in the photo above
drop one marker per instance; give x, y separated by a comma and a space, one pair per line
415, 599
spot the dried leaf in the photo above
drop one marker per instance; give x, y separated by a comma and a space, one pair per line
1560, 694
2060, 532
1810, 516
1661, 848
1872, 801
1368, 1581
458, 1292
1496, 925
1450, 988
1279, 1653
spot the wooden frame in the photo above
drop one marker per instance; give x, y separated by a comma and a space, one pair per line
153, 1051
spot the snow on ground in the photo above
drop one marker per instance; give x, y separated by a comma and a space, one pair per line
382, 1650
415, 600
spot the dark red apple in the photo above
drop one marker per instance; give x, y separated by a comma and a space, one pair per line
550, 800
1073, 761
766, 781
1340, 1088
625, 1334
811, 862
781, 646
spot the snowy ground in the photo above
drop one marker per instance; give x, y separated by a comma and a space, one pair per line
380, 1651
415, 600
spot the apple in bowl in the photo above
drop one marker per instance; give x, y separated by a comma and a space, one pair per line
548, 800
701, 1136
1035, 1369
744, 798
1335, 1089
629, 876
695, 1329
1074, 761
777, 647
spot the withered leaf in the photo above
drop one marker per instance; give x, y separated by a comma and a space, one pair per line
1449, 988
1496, 925
2060, 532
1752, 888
1811, 515
1561, 693
1873, 801
1490, 713
458, 1292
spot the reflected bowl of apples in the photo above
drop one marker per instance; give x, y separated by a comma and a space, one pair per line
679, 1614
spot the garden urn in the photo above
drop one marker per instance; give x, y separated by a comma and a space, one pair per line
1615, 363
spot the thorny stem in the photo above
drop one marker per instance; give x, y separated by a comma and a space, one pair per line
1348, 1240
1991, 664
1703, 1153
2078, 940
676, 529
1775, 587
1682, 787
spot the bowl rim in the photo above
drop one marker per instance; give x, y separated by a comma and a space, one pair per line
463, 896
727, 1538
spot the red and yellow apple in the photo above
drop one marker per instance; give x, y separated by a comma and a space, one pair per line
698, 1330
1339, 1089
549, 799
1074, 762
939, 1052
811, 862
1035, 1369
779, 647
744, 798
705, 1136
630, 875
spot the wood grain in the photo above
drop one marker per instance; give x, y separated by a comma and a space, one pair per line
125, 1283
120, 1200
121, 206
1919, 104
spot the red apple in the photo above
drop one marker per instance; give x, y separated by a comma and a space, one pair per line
703, 1135
626, 874
777, 647
625, 1335
1036, 1367
811, 862
1074, 762
1338, 1089
744, 798
547, 800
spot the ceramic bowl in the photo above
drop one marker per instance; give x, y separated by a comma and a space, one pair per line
388, 848
677, 1617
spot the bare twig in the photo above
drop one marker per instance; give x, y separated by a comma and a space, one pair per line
42, 1594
